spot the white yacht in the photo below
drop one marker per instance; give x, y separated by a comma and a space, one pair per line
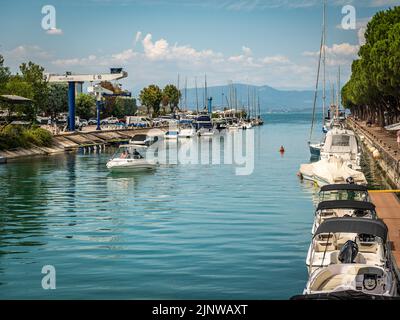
188, 132
171, 135
351, 254
333, 170
204, 132
341, 143
129, 158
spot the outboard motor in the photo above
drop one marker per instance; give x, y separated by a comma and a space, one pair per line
350, 180
349, 252
359, 213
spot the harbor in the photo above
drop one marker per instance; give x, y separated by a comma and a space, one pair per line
249, 150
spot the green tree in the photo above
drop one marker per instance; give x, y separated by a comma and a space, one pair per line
57, 100
172, 95
4, 75
124, 106
85, 106
17, 86
34, 75
373, 91
151, 98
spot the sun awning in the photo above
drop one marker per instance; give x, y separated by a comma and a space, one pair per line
349, 187
354, 225
14, 99
346, 204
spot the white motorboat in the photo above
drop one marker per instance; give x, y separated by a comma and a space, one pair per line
187, 132
171, 135
343, 208
315, 149
147, 139
343, 192
371, 280
342, 144
351, 254
203, 132
245, 125
129, 158
333, 235
331, 171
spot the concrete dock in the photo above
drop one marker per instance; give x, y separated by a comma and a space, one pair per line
388, 209
71, 141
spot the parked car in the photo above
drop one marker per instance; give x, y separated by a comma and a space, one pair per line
92, 121
83, 122
110, 120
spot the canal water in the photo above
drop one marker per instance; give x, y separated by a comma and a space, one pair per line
180, 232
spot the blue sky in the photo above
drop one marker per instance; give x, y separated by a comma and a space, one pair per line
272, 42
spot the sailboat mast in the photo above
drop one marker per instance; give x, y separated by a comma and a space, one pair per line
205, 91
197, 96
179, 89
338, 90
324, 63
185, 93
248, 102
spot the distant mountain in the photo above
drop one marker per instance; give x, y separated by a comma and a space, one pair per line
271, 100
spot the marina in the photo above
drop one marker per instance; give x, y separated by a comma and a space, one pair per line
191, 150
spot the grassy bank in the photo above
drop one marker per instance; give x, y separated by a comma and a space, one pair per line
12, 136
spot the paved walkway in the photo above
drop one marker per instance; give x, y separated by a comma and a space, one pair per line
386, 139
388, 209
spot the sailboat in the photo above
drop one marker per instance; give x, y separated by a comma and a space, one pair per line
315, 148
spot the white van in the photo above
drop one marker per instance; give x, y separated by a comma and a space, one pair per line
137, 121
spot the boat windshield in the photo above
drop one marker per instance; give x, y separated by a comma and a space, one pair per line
128, 153
344, 195
340, 141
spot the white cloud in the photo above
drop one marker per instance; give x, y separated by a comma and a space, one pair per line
54, 32
156, 50
337, 54
161, 50
124, 56
278, 59
158, 61
27, 52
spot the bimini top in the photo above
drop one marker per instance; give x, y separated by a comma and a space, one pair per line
346, 204
349, 187
354, 225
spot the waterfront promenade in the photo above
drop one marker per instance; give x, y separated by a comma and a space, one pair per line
388, 209
382, 137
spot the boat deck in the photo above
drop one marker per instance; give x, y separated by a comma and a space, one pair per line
388, 209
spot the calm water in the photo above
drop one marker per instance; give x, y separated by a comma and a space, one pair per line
181, 232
